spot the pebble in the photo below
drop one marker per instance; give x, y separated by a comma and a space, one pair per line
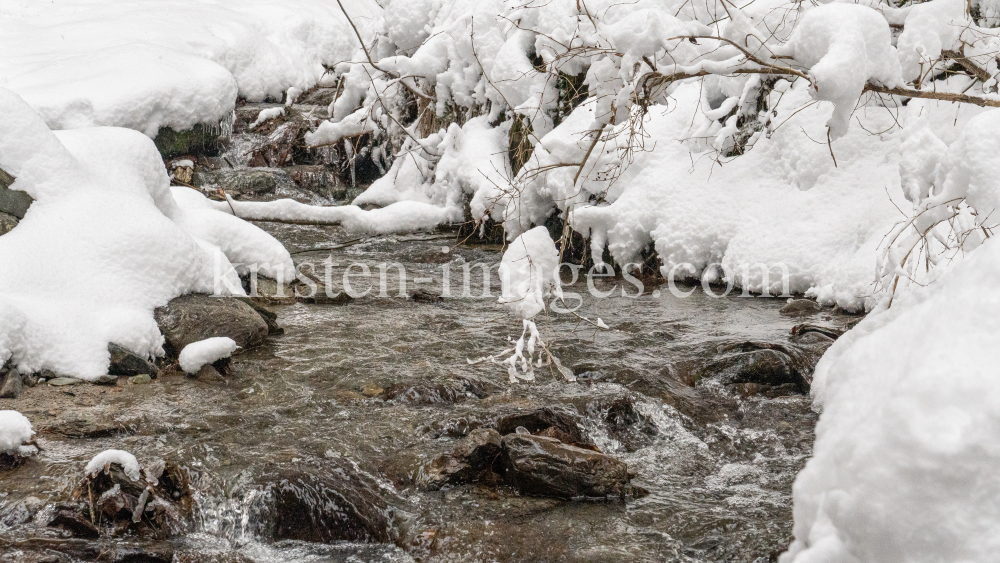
140, 379
60, 381
106, 380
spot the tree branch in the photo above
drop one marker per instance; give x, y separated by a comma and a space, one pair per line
930, 95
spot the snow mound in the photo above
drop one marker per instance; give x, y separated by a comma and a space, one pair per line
529, 272
198, 354
103, 245
102, 460
15, 430
146, 65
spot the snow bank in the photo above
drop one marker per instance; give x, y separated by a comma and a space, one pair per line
103, 244
904, 465
198, 354
146, 65
15, 429
102, 460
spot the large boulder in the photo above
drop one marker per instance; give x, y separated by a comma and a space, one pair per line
10, 383
546, 467
13, 202
194, 317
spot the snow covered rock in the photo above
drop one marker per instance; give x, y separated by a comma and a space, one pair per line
198, 354
127, 363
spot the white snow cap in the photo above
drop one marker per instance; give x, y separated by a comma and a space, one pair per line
198, 354
15, 429
528, 271
128, 462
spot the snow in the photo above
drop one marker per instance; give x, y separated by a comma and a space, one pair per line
198, 354
845, 46
15, 430
904, 465
176, 63
102, 460
104, 243
529, 273
266, 115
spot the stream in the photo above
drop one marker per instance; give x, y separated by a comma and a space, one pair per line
382, 385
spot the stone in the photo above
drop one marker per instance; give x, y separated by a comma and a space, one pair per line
317, 294
194, 317
247, 181
7, 223
13, 202
324, 504
797, 307
201, 139
208, 373
538, 420
106, 380
128, 363
545, 467
472, 459
269, 291
64, 381
425, 392
269, 316
140, 379
12, 384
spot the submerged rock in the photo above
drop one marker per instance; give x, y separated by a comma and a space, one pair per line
194, 317
543, 466
632, 429
797, 307
128, 363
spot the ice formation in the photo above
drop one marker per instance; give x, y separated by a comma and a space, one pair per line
15, 430
198, 354
102, 460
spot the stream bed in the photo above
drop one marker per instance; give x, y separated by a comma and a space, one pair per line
368, 393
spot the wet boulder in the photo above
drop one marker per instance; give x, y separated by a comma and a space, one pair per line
127, 363
247, 182
194, 317
334, 502
632, 429
783, 369
201, 139
472, 459
429, 392
546, 467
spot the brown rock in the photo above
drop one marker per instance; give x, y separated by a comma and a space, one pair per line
542, 466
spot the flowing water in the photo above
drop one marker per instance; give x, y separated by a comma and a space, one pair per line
385, 384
